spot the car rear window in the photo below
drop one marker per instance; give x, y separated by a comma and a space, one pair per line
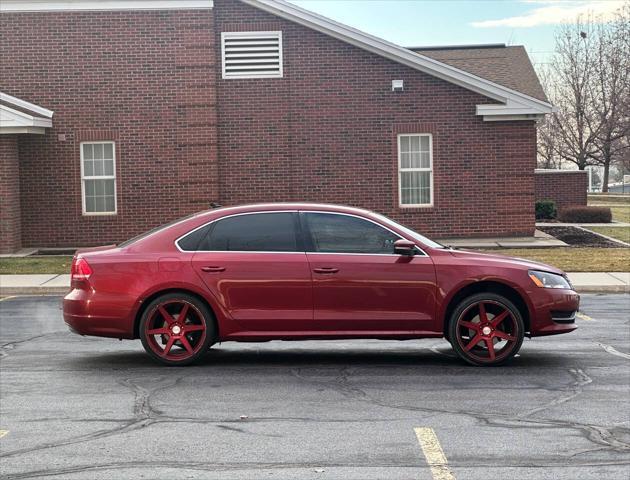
126, 243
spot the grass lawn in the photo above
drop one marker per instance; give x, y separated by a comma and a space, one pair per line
621, 213
606, 200
34, 264
574, 259
620, 233
620, 210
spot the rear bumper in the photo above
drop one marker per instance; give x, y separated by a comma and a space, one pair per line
554, 311
99, 314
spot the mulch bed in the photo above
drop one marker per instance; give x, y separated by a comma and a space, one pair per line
576, 237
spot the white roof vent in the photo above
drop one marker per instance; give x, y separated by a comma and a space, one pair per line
251, 54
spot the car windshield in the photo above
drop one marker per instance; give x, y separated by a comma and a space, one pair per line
126, 243
421, 238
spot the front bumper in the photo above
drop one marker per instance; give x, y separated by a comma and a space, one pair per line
554, 311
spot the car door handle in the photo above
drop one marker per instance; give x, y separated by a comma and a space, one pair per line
213, 269
326, 270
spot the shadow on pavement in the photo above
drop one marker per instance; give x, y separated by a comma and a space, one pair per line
422, 359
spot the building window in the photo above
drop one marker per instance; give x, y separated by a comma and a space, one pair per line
98, 178
415, 170
251, 54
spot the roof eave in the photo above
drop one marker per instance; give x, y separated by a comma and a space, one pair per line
31, 107
15, 121
399, 54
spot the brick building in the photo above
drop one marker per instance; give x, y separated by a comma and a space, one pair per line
121, 115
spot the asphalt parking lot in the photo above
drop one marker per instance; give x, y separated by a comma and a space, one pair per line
76, 407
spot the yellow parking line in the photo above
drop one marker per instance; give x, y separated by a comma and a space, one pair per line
583, 316
434, 454
3, 433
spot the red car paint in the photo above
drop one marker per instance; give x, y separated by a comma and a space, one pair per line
259, 296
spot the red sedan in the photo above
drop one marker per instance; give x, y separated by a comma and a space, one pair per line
304, 271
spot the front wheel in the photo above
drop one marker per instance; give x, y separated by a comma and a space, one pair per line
486, 329
177, 329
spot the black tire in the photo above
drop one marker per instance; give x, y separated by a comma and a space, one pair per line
510, 330
201, 317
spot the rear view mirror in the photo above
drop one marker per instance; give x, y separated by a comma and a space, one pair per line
404, 247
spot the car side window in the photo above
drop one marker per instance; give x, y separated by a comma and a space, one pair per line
257, 232
332, 233
190, 243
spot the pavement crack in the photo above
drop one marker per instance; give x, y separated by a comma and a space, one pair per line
11, 345
613, 351
595, 434
144, 415
581, 380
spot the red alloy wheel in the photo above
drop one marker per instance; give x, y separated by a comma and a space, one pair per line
175, 330
488, 332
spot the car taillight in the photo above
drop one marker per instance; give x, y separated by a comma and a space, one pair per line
81, 269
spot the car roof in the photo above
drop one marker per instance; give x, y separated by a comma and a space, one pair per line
278, 206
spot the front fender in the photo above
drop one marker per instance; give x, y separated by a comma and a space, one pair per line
449, 293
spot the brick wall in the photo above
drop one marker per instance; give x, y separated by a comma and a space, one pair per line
145, 79
326, 132
565, 187
10, 233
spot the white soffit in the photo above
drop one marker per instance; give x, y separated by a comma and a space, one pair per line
516, 105
101, 5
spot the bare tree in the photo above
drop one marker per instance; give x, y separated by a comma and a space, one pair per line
547, 130
611, 90
573, 69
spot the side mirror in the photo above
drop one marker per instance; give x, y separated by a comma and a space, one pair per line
404, 247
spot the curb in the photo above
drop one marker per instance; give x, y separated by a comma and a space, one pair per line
603, 289
34, 290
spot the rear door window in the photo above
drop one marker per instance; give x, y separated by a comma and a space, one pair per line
257, 232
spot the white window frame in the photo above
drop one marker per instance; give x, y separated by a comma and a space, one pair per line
98, 177
430, 170
244, 35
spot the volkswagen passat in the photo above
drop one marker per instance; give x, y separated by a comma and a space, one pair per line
304, 271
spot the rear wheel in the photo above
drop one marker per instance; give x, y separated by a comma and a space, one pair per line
177, 329
486, 329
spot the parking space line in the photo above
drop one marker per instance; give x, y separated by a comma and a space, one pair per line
6, 298
583, 316
3, 433
434, 454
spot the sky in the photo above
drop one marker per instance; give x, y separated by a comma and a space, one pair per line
461, 22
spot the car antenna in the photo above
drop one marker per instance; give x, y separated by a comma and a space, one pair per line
215, 205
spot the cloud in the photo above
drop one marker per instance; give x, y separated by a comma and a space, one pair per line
555, 12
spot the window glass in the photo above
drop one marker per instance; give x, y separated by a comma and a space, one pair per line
126, 243
259, 232
99, 178
415, 169
333, 233
190, 242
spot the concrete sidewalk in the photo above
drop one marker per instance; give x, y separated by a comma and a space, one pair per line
539, 240
584, 282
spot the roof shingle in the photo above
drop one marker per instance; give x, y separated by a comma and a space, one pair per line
507, 66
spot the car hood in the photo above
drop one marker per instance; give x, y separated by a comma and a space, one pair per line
517, 262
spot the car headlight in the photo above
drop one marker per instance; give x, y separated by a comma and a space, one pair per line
549, 280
